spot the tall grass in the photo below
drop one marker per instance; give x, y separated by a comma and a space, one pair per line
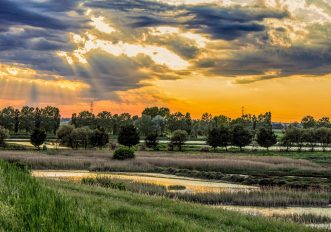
269, 197
25, 205
126, 211
304, 218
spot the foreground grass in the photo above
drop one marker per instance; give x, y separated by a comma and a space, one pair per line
125, 211
28, 205
25, 205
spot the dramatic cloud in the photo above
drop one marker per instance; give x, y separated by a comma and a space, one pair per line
108, 48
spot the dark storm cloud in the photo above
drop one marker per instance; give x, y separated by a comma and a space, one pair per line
217, 21
228, 23
289, 61
31, 32
13, 13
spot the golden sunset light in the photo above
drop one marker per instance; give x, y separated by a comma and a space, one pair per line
204, 55
165, 115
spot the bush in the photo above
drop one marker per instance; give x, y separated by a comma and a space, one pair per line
176, 187
205, 149
124, 153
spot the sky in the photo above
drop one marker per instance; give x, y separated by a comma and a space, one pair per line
216, 56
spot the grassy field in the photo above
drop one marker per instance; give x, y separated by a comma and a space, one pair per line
28, 204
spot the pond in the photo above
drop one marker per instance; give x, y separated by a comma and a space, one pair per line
192, 185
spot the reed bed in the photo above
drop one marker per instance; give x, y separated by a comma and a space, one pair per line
269, 197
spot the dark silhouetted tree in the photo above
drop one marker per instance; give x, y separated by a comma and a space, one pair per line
128, 136
178, 138
219, 137
266, 137
241, 136
38, 137
99, 138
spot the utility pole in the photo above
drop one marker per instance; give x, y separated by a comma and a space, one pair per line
92, 107
242, 110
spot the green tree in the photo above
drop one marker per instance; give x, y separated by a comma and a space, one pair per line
99, 138
151, 140
85, 119
241, 136
308, 122
104, 121
155, 111
27, 119
160, 124
17, 121
294, 136
266, 137
38, 137
121, 120
145, 125
63, 134
50, 119
128, 136
7, 118
219, 137
80, 137
179, 121
4, 134
37, 119
323, 136
264, 120
220, 121
324, 122
309, 136
178, 138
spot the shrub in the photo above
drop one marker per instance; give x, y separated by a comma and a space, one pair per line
157, 148
124, 153
205, 149
176, 187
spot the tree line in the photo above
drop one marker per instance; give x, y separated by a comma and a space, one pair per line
88, 130
27, 119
